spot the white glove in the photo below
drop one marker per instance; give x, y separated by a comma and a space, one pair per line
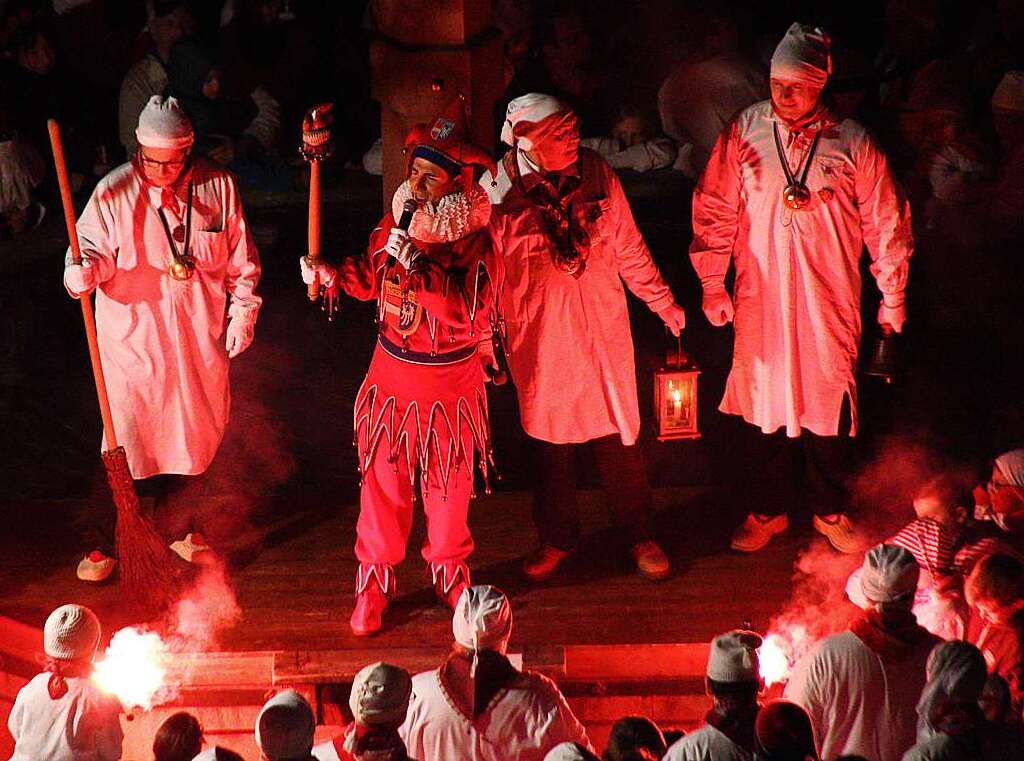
80, 278
717, 305
892, 313
674, 318
319, 269
400, 247
239, 335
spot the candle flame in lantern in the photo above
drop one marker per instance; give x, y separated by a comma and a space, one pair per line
134, 668
677, 395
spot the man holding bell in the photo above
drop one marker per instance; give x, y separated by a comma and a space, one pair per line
791, 195
167, 249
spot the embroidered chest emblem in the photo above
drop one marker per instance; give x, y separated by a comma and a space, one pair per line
401, 308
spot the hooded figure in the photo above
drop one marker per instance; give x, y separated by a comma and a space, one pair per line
861, 687
61, 713
421, 413
477, 705
790, 197
166, 246
565, 242
733, 681
950, 724
284, 728
378, 701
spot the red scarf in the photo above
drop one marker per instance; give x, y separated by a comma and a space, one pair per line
553, 196
892, 633
60, 671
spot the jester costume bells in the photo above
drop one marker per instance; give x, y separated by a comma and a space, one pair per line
420, 417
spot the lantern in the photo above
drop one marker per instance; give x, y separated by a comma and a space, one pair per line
675, 396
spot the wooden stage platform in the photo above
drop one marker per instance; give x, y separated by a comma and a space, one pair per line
617, 643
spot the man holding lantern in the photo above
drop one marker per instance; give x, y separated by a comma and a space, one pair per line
792, 194
565, 240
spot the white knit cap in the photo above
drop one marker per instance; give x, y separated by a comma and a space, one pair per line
284, 729
889, 574
733, 657
531, 107
380, 695
569, 752
803, 55
1009, 94
164, 124
71, 632
483, 618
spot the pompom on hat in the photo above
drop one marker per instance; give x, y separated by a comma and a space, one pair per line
803, 55
71, 633
733, 657
163, 123
380, 695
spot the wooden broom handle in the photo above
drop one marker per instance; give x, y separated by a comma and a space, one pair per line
313, 289
85, 300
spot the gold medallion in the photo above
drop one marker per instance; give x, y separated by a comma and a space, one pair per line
796, 196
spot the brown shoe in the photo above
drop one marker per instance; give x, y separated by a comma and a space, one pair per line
543, 562
650, 560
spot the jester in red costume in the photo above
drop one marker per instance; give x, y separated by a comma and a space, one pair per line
420, 416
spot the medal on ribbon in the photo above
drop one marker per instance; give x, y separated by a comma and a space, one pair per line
795, 195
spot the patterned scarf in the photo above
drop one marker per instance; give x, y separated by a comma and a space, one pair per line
553, 196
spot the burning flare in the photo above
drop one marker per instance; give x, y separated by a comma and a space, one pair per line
780, 651
134, 668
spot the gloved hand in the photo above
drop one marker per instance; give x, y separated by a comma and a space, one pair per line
400, 247
239, 335
80, 278
489, 362
674, 318
317, 268
893, 312
717, 305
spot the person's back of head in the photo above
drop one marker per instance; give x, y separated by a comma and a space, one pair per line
284, 728
784, 733
634, 738
179, 738
889, 578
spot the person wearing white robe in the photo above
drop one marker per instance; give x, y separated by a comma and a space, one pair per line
796, 299
476, 706
861, 686
166, 333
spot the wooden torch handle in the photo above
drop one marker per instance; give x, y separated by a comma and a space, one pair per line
85, 300
313, 290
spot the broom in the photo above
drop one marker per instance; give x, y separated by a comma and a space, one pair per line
148, 574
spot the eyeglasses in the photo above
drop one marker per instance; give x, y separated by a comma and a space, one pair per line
154, 164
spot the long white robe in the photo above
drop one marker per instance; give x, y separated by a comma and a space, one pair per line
524, 721
569, 346
706, 744
82, 725
162, 340
797, 293
858, 703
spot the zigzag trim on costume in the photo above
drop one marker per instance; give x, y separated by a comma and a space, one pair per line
449, 572
419, 442
382, 572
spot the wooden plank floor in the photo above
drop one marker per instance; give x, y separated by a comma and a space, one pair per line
293, 579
